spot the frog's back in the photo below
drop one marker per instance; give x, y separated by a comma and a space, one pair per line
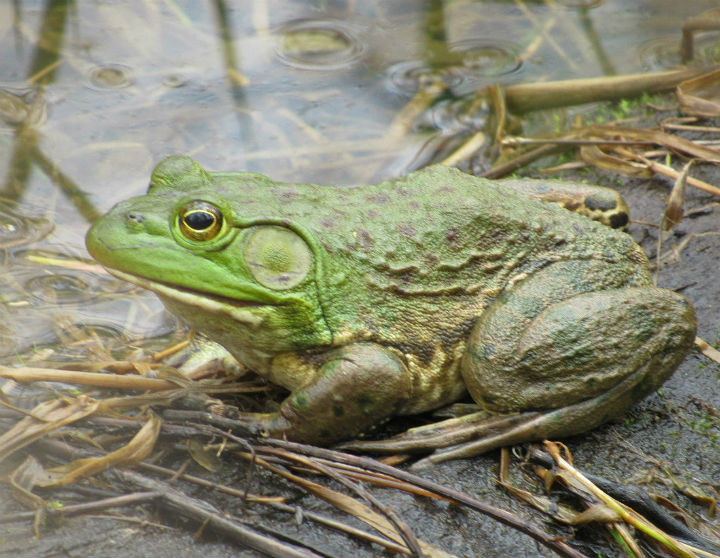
434, 248
438, 236
440, 230
441, 212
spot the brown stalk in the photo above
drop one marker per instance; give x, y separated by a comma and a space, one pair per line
534, 96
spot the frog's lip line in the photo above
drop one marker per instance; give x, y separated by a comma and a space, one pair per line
233, 308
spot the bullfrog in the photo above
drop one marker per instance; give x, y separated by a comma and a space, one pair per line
372, 301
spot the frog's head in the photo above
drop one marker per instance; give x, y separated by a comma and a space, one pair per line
215, 259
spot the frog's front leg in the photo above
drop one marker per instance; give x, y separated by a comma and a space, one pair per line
356, 387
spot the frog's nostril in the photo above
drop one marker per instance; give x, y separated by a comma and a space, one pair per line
133, 217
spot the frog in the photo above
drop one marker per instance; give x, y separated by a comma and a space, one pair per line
369, 302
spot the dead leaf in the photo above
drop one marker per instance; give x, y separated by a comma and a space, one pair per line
708, 350
700, 96
118, 381
133, 452
597, 512
657, 137
593, 155
203, 456
24, 478
674, 208
45, 418
357, 509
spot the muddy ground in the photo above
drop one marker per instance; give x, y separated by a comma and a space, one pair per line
678, 428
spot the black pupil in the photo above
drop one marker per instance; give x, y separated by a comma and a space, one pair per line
199, 220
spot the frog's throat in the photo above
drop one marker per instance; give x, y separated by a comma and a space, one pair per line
233, 308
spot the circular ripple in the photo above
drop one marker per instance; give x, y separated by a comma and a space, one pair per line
483, 59
102, 331
318, 45
16, 104
110, 76
659, 54
589, 4
409, 77
175, 80
58, 289
16, 229
74, 341
13, 228
470, 61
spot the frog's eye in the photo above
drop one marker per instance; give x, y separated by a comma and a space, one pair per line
200, 220
277, 257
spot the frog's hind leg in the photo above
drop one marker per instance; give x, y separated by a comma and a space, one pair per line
578, 359
533, 353
561, 422
554, 358
478, 433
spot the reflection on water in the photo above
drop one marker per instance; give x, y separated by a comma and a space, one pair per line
93, 94
483, 59
407, 78
16, 104
52, 301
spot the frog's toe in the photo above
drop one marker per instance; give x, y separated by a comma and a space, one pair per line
202, 357
443, 434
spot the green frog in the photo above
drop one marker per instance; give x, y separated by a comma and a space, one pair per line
373, 301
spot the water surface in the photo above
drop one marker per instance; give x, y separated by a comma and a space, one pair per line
93, 94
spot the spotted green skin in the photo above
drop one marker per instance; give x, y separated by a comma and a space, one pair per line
418, 290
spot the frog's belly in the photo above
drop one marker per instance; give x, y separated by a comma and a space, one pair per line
435, 383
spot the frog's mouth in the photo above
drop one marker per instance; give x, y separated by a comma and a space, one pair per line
237, 309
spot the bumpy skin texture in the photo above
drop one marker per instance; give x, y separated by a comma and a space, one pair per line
394, 298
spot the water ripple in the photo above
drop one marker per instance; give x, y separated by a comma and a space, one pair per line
319, 44
469, 65
58, 288
16, 229
481, 59
110, 76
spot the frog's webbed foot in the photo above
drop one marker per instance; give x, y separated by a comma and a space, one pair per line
600, 204
355, 388
450, 433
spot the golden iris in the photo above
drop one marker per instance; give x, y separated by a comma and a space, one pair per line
200, 220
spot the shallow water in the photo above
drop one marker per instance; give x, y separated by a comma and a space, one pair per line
93, 94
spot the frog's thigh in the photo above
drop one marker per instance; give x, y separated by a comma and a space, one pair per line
358, 387
530, 352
